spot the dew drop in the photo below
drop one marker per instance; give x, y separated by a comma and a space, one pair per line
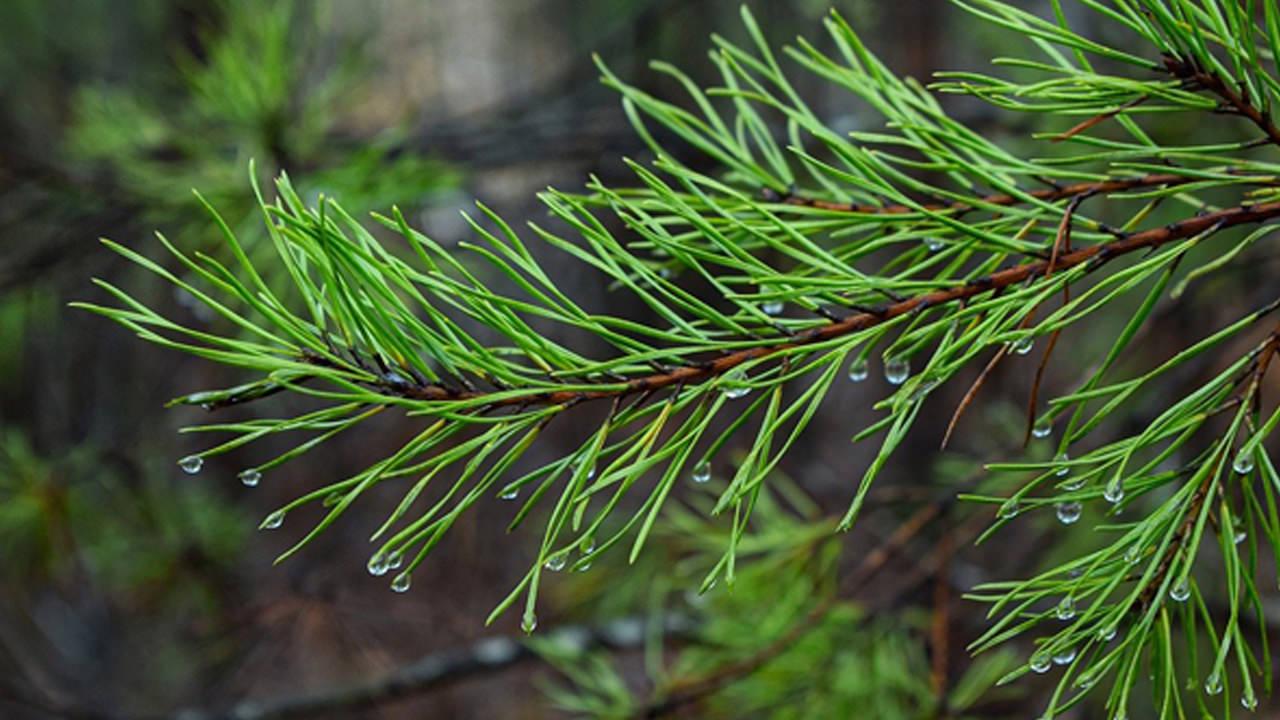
858, 370
1069, 512
1180, 591
1239, 537
1243, 463
555, 563
933, 244
1023, 345
1072, 484
1249, 701
1066, 609
1040, 663
529, 623
1133, 555
1114, 491
1061, 460
510, 493
1043, 428
733, 390
702, 472
1064, 657
377, 565
1107, 634
191, 464
395, 560
250, 477
1010, 508
401, 583
772, 307
1213, 684
588, 545
896, 370
582, 567
273, 521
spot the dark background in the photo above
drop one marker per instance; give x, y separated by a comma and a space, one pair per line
129, 589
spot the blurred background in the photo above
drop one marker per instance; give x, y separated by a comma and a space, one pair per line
129, 589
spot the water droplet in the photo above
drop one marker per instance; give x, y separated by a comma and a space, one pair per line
555, 563
858, 370
1061, 460
896, 370
1009, 509
1114, 491
529, 623
1249, 701
933, 244
587, 546
395, 560
1043, 428
772, 307
1072, 484
582, 567
1040, 663
1023, 345
1075, 572
732, 389
273, 521
702, 472
250, 477
1239, 537
1069, 512
509, 493
1107, 634
1066, 609
1133, 555
401, 583
1243, 463
191, 464
1064, 657
1213, 684
377, 565
1180, 591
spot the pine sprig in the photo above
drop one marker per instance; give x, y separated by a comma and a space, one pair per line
916, 239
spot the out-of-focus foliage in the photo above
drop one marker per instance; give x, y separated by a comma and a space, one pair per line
778, 644
271, 83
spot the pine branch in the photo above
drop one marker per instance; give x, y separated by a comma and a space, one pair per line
703, 371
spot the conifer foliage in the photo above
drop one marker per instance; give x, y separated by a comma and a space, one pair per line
805, 256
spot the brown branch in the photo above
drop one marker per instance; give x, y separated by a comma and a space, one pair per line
429, 673
1103, 187
1061, 243
698, 372
1266, 353
972, 393
1234, 99
1098, 119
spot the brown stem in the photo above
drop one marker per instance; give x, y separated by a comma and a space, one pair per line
698, 372
1234, 99
1002, 199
